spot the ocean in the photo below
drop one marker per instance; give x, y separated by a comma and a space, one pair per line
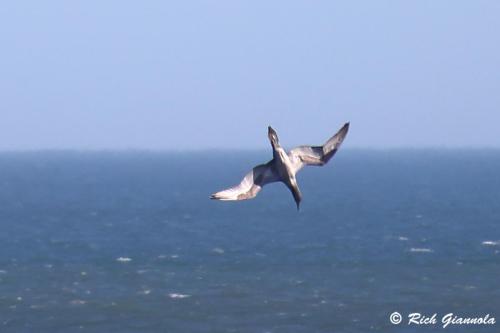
130, 242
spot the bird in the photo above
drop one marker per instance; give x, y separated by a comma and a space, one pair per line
283, 167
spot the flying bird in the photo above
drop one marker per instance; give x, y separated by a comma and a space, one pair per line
283, 167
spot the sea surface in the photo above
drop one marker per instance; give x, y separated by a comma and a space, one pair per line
130, 242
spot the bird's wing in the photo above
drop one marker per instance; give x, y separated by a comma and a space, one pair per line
317, 155
250, 185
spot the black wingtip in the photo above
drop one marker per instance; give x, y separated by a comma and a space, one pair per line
345, 128
271, 134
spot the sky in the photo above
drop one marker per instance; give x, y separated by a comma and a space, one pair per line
190, 75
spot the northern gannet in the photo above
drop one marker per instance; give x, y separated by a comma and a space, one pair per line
283, 167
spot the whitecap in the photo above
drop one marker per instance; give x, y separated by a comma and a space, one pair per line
402, 238
218, 250
490, 243
123, 259
175, 295
421, 249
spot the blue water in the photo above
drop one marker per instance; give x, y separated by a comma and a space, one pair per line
130, 242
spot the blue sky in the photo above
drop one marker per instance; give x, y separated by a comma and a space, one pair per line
213, 74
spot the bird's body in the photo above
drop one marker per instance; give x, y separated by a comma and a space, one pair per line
283, 167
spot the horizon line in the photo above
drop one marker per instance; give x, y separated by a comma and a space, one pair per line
226, 149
